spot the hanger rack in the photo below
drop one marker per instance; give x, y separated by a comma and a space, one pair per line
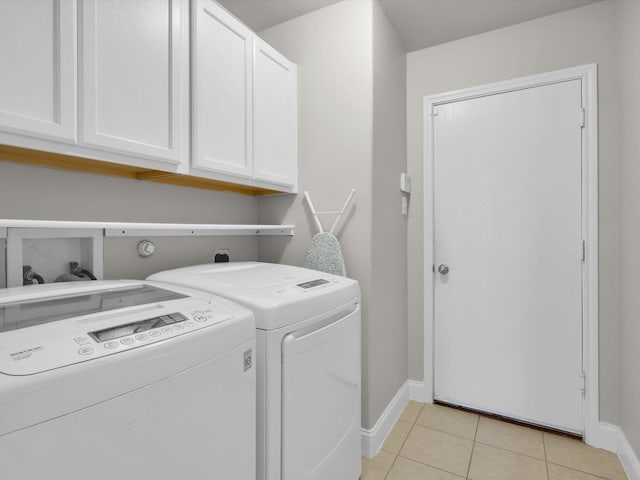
339, 213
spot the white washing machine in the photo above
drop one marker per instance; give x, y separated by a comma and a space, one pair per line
125, 379
308, 361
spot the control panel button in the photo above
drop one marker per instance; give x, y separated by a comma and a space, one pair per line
85, 350
141, 336
111, 344
200, 318
127, 341
189, 323
155, 333
167, 330
178, 326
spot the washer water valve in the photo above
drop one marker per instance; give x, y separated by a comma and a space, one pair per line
28, 276
146, 248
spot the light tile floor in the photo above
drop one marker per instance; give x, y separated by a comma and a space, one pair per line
433, 442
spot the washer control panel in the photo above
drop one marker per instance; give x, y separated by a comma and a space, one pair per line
162, 322
126, 333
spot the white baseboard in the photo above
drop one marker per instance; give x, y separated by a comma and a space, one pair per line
628, 457
418, 392
603, 435
373, 439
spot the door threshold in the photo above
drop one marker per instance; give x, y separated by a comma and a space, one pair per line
513, 421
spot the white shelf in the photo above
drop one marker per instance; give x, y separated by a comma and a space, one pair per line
123, 229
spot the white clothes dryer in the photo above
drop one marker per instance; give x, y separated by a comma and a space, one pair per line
308, 364
125, 379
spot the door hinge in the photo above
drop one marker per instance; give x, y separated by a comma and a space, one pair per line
583, 117
583, 255
583, 382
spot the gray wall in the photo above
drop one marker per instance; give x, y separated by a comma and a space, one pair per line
333, 50
351, 135
575, 37
387, 329
630, 221
39, 193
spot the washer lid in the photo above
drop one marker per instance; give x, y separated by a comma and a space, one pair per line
38, 310
279, 295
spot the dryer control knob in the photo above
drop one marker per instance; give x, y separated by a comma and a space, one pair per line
146, 248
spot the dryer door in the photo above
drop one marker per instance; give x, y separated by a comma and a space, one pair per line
321, 401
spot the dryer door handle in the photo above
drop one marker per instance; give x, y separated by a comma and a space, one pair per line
303, 332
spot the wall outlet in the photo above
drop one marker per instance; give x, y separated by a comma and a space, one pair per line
221, 255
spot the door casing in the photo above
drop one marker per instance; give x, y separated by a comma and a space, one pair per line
596, 433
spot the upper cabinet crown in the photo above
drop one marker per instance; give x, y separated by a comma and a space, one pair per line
179, 86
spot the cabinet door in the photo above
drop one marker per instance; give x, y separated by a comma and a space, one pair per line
38, 56
221, 90
274, 116
134, 77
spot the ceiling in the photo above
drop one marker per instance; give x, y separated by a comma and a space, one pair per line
419, 23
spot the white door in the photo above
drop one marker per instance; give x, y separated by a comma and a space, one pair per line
274, 116
221, 90
38, 57
507, 224
134, 89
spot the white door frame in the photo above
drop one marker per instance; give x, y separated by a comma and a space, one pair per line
595, 432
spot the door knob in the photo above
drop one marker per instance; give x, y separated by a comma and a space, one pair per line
443, 269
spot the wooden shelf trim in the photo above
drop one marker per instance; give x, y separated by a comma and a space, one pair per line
87, 165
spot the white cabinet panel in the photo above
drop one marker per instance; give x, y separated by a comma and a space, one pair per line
274, 116
221, 89
134, 76
37, 85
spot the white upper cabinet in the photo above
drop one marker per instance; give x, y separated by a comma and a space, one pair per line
134, 96
38, 57
221, 91
180, 86
274, 116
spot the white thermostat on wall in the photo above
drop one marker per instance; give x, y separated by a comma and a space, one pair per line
405, 183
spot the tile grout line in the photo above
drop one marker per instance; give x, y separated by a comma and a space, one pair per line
511, 451
482, 443
443, 431
440, 469
473, 446
391, 467
573, 469
413, 424
546, 461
